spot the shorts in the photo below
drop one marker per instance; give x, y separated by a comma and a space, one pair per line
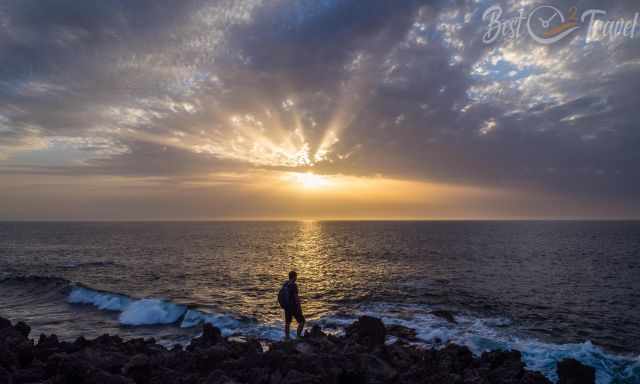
296, 313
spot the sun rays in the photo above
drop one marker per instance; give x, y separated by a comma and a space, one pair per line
309, 180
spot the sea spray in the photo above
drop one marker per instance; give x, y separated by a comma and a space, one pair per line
478, 334
102, 300
151, 312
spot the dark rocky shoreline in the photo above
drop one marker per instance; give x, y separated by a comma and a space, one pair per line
361, 356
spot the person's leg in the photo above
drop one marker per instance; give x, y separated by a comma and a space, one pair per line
301, 320
300, 328
287, 324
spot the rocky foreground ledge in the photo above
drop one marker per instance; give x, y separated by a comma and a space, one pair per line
360, 356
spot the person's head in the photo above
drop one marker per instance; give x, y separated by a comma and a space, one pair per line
293, 275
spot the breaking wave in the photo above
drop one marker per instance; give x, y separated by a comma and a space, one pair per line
155, 311
101, 300
479, 334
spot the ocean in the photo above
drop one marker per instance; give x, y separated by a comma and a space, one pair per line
551, 289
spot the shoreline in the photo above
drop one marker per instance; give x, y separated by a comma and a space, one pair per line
362, 355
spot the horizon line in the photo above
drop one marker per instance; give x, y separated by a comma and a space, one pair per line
274, 220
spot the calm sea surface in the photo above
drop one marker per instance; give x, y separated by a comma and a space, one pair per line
549, 289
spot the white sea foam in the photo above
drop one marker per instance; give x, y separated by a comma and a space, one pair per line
151, 311
478, 334
228, 324
482, 335
544, 356
102, 300
134, 312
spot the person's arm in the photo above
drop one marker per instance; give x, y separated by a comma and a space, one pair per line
296, 298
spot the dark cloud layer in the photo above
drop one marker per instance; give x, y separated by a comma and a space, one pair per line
408, 89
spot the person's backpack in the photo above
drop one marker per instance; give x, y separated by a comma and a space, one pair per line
284, 297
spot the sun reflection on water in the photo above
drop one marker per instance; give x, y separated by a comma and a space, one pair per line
311, 257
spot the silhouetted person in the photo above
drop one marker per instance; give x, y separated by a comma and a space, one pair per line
290, 302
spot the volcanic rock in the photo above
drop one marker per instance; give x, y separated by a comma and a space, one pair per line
368, 331
445, 315
571, 371
361, 356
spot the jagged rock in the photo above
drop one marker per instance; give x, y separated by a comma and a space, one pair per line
111, 341
101, 377
23, 328
138, 368
4, 323
505, 366
297, 377
210, 336
368, 331
377, 370
219, 377
48, 341
7, 357
112, 362
359, 357
275, 377
15, 349
132, 347
80, 342
162, 375
533, 378
29, 375
5, 376
315, 333
352, 377
401, 332
211, 333
454, 358
11, 336
207, 359
47, 345
24, 353
248, 347
305, 348
66, 368
445, 315
400, 356
571, 371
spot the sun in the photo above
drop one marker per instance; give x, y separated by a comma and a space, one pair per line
310, 180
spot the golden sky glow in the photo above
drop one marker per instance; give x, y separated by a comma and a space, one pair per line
309, 110
309, 180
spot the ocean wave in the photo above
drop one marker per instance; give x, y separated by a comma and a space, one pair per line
223, 321
485, 334
156, 311
479, 334
102, 300
133, 312
90, 264
541, 356
151, 312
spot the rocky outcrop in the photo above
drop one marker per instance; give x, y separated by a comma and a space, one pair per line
361, 356
402, 333
445, 315
368, 331
571, 371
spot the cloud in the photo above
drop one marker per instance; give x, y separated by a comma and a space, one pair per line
404, 89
